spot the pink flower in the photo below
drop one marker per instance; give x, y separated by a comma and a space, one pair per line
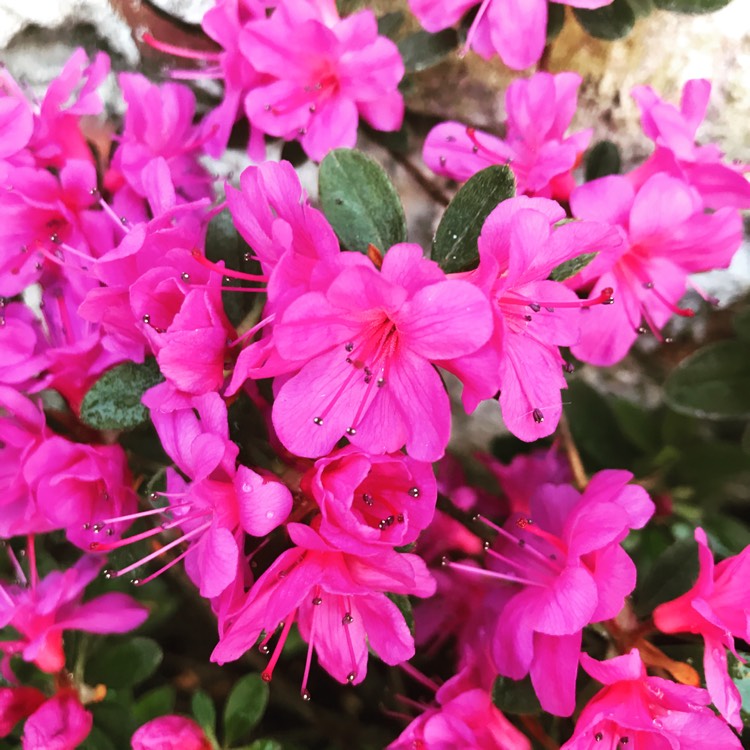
23, 356
468, 720
16, 703
668, 237
170, 733
369, 503
159, 123
16, 117
535, 146
567, 561
673, 131
365, 349
42, 612
61, 723
515, 30
518, 248
715, 608
648, 713
323, 74
339, 602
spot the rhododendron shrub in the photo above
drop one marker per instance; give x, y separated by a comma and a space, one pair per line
236, 452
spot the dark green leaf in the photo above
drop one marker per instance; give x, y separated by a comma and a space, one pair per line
741, 324
114, 717
674, 572
423, 50
515, 696
204, 711
601, 160
114, 401
404, 606
156, 702
97, 740
712, 383
641, 8
571, 267
124, 664
346, 7
640, 426
263, 744
245, 707
610, 22
360, 201
390, 23
691, 6
555, 21
455, 244
740, 674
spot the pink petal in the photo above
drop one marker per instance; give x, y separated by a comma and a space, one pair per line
264, 504
607, 199
449, 151
518, 29
626, 667
217, 560
553, 671
724, 693
61, 723
109, 613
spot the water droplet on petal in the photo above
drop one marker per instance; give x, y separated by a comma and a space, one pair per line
270, 514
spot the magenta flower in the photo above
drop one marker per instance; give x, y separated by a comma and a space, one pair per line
535, 146
468, 720
514, 30
170, 733
673, 131
22, 348
369, 503
716, 609
17, 703
159, 123
323, 74
365, 350
567, 561
339, 602
43, 611
16, 117
648, 713
518, 248
668, 237
61, 723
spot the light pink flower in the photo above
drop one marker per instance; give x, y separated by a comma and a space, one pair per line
667, 237
514, 29
535, 146
716, 609
339, 602
365, 349
324, 73
673, 131
170, 733
648, 713
48, 607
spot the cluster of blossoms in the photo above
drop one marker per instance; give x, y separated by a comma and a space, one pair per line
103, 261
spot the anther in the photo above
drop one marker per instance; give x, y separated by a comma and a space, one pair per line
414, 492
318, 421
380, 382
538, 416
347, 619
443, 161
305, 695
185, 276
349, 347
353, 675
351, 431
317, 601
535, 306
146, 319
108, 573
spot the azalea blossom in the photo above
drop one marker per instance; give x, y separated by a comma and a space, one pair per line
535, 146
170, 733
667, 237
338, 599
364, 350
513, 29
60, 723
648, 713
570, 570
715, 608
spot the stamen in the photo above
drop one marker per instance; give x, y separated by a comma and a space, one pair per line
267, 673
304, 692
421, 678
490, 573
170, 564
185, 52
144, 513
605, 297
231, 273
254, 329
32, 560
112, 215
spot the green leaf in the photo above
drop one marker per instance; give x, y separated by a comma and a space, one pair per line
263, 744
114, 401
555, 21
455, 244
157, 702
691, 6
360, 201
641, 8
601, 160
515, 696
97, 740
571, 267
245, 707
404, 607
204, 711
741, 324
124, 664
674, 572
640, 426
346, 7
740, 674
390, 23
423, 50
610, 22
712, 383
